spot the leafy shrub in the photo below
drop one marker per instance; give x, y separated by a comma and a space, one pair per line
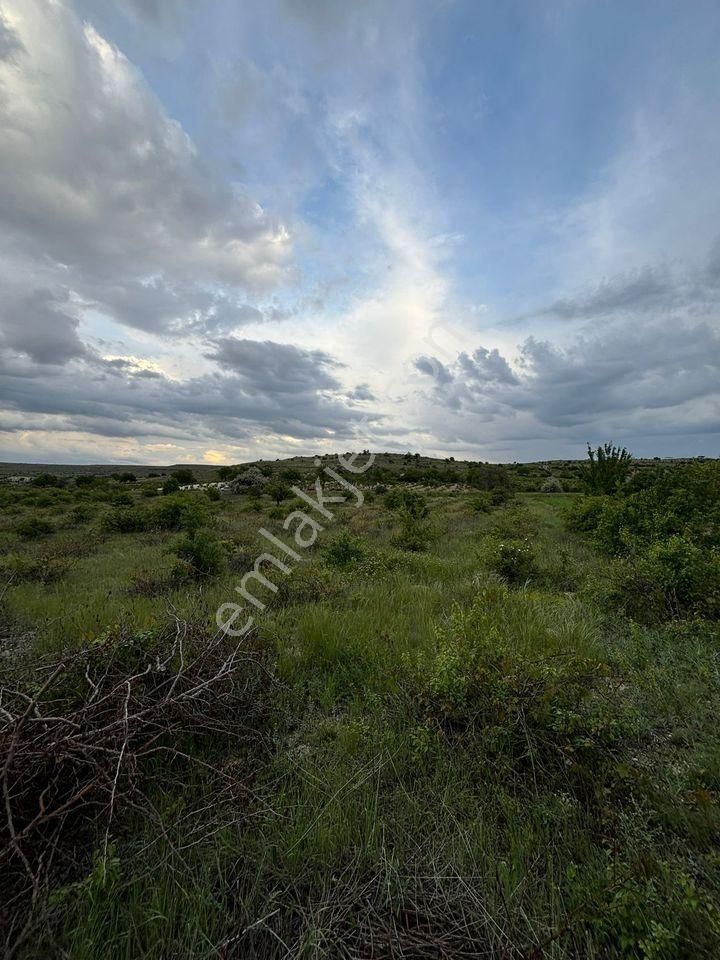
345, 550
492, 477
186, 512
518, 672
184, 476
213, 494
514, 523
171, 485
482, 503
46, 480
82, 513
279, 492
201, 552
227, 473
514, 560
125, 520
666, 529
291, 475
122, 499
607, 468
33, 527
584, 514
310, 583
552, 485
28, 569
415, 532
402, 498
672, 578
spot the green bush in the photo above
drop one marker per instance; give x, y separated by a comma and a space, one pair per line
184, 512
665, 526
584, 514
31, 528
184, 476
345, 550
491, 477
482, 503
606, 469
46, 480
552, 485
415, 532
279, 492
88, 480
514, 560
671, 578
125, 520
42, 569
518, 673
202, 553
171, 485
402, 498
82, 513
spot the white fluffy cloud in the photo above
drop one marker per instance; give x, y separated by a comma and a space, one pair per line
104, 194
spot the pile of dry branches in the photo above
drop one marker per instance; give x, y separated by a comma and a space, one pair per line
82, 738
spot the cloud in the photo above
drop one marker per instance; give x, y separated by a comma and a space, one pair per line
627, 375
643, 290
265, 391
362, 392
107, 195
43, 325
10, 44
157, 12
280, 367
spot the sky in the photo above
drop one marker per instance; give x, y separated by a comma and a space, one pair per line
470, 228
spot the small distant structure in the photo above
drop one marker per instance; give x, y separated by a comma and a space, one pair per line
15, 479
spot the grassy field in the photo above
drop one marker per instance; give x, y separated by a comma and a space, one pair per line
463, 749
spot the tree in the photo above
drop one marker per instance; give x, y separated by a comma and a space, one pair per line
46, 480
290, 475
279, 492
227, 473
606, 469
184, 476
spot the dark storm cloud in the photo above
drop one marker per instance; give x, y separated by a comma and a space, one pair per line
278, 367
652, 290
644, 290
650, 368
41, 325
266, 388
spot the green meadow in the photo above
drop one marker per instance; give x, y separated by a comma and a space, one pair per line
473, 720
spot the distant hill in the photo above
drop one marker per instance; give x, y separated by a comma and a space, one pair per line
526, 476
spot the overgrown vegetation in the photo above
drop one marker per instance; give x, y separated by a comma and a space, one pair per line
664, 528
467, 724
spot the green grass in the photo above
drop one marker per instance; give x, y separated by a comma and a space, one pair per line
452, 761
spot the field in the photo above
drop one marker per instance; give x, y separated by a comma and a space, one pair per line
458, 728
